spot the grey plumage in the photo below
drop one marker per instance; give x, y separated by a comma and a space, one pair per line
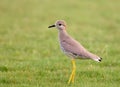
70, 46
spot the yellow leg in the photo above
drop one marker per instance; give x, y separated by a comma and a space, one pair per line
72, 76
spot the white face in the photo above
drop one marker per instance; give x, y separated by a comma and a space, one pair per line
60, 25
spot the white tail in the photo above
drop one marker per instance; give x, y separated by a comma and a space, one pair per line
98, 59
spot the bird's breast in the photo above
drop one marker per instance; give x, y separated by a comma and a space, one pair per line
61, 46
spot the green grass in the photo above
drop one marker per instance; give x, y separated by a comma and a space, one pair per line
29, 52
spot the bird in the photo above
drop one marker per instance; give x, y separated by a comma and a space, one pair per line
72, 48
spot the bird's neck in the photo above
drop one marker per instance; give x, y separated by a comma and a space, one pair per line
63, 34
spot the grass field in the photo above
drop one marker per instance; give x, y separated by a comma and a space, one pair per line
30, 55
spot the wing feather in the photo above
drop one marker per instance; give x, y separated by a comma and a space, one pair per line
72, 47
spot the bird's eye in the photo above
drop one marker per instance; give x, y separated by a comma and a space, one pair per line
60, 24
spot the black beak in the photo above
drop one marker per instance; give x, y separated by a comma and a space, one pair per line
51, 26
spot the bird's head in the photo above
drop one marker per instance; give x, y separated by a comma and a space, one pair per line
59, 24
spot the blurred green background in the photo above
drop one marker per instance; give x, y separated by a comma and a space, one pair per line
30, 55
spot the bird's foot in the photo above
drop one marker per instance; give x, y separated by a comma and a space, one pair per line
72, 76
